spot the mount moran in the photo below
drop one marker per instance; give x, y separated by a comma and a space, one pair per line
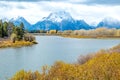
63, 21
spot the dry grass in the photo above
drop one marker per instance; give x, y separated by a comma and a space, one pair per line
96, 37
8, 43
103, 65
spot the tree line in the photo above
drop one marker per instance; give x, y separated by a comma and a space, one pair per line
8, 28
98, 32
13, 32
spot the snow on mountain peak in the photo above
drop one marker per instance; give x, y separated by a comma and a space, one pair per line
59, 16
110, 20
19, 18
5, 19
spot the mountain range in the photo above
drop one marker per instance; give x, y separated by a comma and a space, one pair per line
109, 23
62, 20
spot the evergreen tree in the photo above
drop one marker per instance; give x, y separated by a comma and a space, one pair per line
5, 28
22, 30
10, 28
1, 29
17, 32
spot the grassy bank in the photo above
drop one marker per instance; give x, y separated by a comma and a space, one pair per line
103, 65
8, 43
75, 36
95, 37
92, 33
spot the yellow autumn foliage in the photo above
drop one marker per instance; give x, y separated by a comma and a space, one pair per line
8, 43
52, 31
93, 33
104, 65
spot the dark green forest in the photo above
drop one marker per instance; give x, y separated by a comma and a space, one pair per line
8, 28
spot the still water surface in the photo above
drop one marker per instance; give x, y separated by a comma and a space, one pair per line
49, 50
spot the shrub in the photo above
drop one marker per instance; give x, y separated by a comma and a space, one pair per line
29, 37
53, 31
59, 32
24, 75
42, 31
34, 42
13, 37
84, 58
102, 66
67, 32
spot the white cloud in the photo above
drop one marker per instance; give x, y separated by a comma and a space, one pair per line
35, 11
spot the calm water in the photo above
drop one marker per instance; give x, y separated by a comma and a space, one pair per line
49, 50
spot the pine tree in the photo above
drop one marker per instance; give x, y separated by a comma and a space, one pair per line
1, 29
5, 28
22, 30
10, 28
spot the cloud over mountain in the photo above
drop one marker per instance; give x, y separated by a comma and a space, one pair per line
87, 2
34, 10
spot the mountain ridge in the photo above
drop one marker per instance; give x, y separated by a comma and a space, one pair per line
64, 21
109, 22
18, 20
61, 21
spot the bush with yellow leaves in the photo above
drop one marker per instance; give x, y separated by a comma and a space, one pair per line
102, 66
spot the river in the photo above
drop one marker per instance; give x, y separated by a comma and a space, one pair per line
49, 50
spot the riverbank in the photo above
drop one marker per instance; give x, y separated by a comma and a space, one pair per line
92, 33
96, 37
77, 36
102, 65
8, 43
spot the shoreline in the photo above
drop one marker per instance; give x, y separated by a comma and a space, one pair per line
78, 37
17, 44
89, 37
87, 67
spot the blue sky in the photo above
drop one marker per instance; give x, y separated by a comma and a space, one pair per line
92, 11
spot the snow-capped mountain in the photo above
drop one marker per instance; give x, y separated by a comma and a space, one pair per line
5, 19
18, 20
109, 22
58, 16
61, 20
45, 25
